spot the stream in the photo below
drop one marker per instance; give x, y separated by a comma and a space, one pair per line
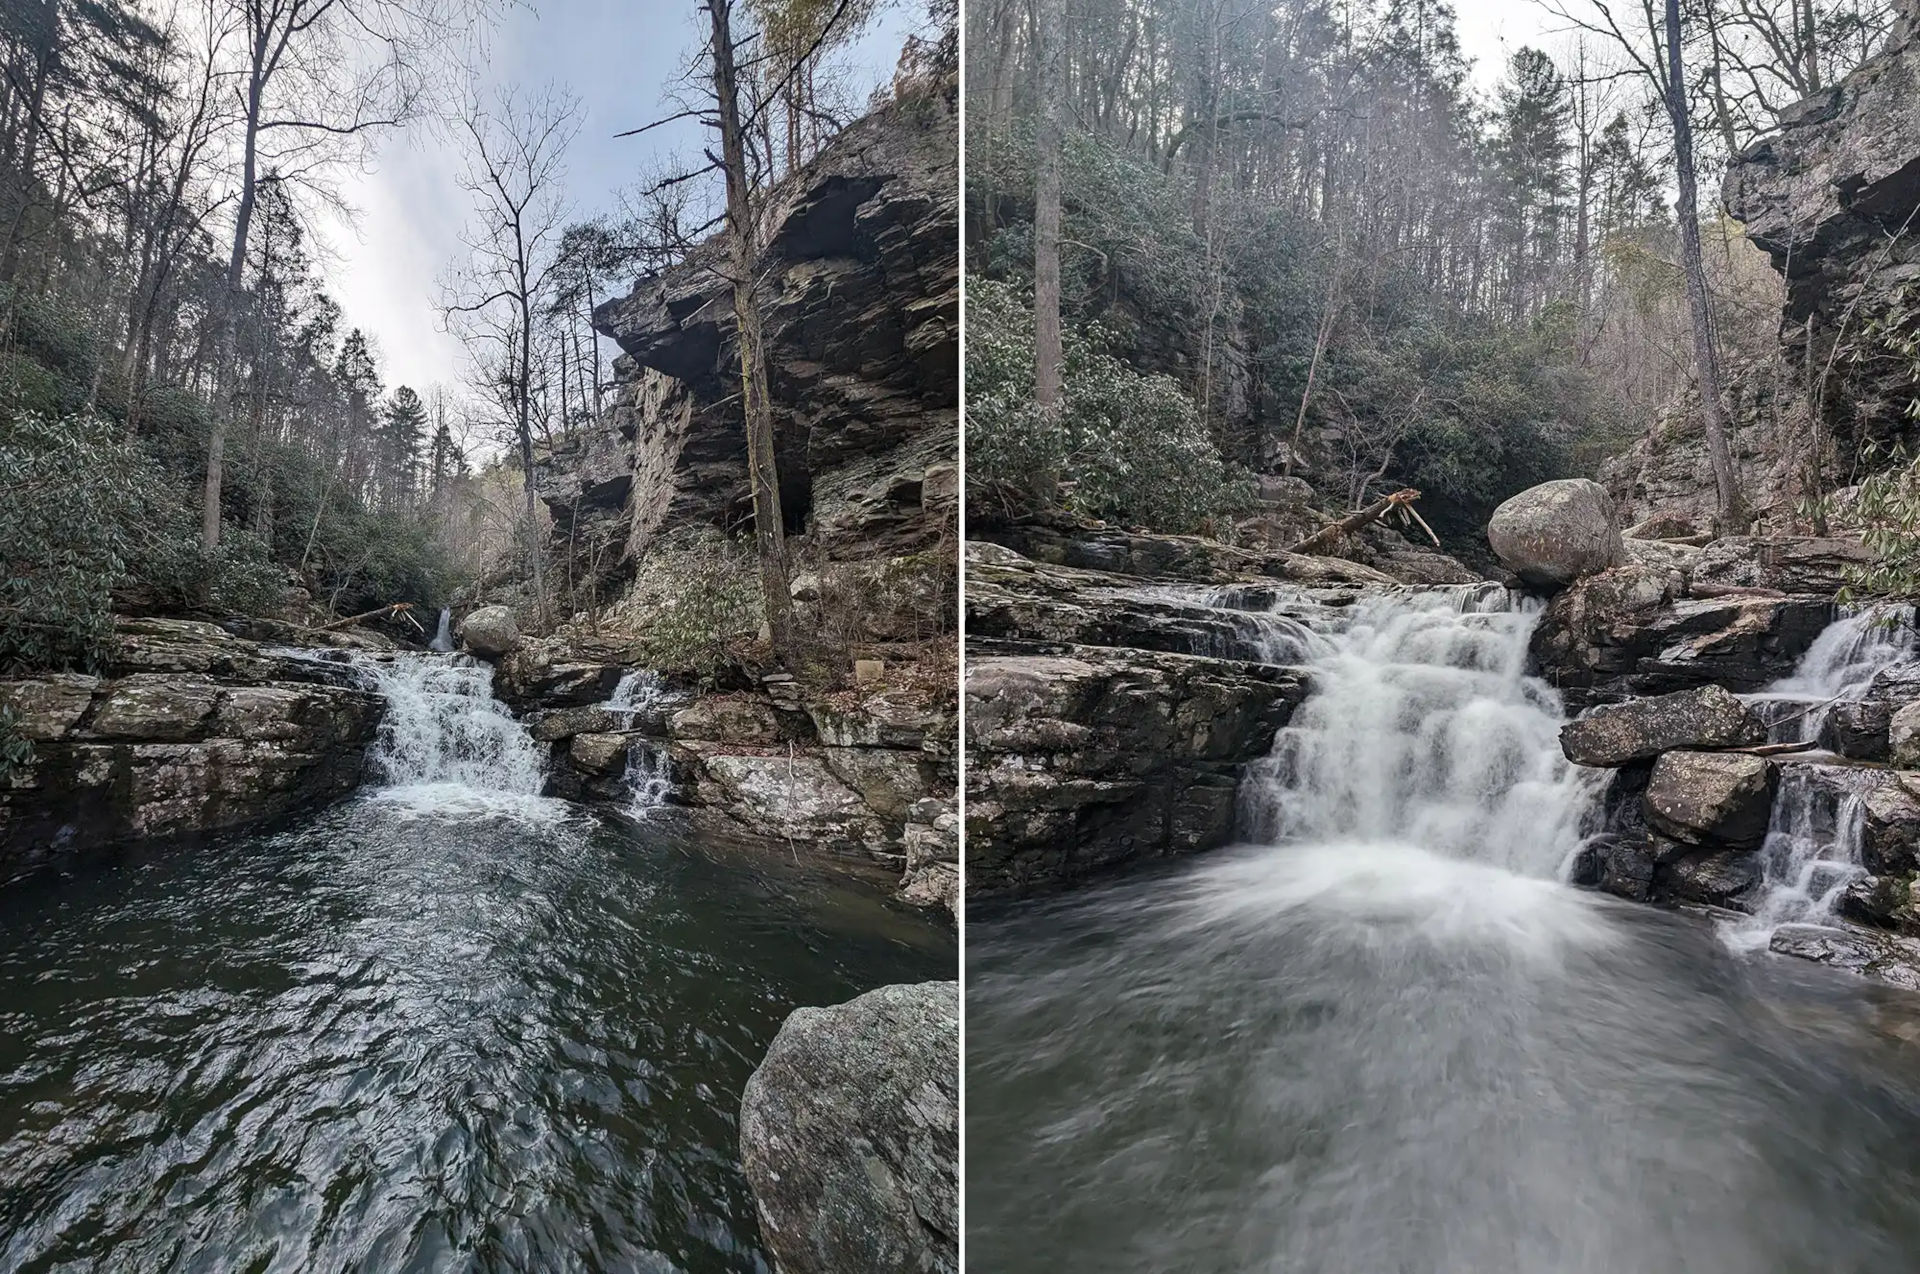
1382, 1037
446, 1025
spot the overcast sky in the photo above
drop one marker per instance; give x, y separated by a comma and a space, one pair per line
618, 57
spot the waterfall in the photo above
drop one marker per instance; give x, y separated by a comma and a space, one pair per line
1424, 729
1839, 666
444, 729
1812, 850
649, 779
443, 635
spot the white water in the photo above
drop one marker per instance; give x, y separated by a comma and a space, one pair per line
648, 778
1425, 733
1812, 850
1838, 667
443, 635
446, 744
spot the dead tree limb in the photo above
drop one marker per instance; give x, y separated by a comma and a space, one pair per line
397, 607
1331, 534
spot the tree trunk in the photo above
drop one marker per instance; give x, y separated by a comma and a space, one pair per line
769, 531
30, 147
1048, 70
1706, 362
229, 302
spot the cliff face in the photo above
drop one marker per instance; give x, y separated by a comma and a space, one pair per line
1834, 199
861, 314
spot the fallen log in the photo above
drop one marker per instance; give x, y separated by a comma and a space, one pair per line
397, 607
1773, 749
1331, 534
1708, 591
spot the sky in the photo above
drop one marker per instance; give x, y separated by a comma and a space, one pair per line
619, 57
385, 266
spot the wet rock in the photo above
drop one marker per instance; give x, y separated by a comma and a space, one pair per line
793, 796
546, 675
730, 718
155, 706
1717, 877
1885, 902
1616, 735
889, 781
849, 1134
490, 632
1625, 632
1890, 830
1703, 798
1903, 736
1557, 532
48, 707
1083, 761
1862, 728
1883, 956
564, 723
932, 842
599, 753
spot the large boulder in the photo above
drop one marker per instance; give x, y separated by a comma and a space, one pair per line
1557, 532
490, 632
1641, 729
850, 1135
1712, 798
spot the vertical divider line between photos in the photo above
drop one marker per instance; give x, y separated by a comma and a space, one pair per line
960, 607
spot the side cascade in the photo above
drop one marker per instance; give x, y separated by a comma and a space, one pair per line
1813, 847
649, 778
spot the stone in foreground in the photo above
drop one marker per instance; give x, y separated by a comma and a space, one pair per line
1704, 717
1557, 532
1721, 798
850, 1134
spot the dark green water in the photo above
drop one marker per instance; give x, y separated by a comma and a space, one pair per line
430, 1029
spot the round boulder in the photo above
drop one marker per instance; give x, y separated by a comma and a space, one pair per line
850, 1134
490, 631
1557, 532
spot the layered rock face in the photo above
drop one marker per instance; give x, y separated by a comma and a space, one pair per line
1832, 196
861, 318
190, 730
850, 1134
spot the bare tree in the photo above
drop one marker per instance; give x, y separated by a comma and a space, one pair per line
769, 531
1050, 37
313, 75
516, 164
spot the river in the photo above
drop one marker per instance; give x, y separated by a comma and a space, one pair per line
446, 1025
1383, 1037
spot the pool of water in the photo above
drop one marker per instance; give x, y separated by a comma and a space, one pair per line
433, 1028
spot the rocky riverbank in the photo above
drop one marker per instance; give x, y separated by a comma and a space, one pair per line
188, 729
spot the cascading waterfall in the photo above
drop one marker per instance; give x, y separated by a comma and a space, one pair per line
648, 778
443, 635
444, 731
1838, 667
1424, 729
1812, 850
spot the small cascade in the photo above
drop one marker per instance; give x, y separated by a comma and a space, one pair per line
1838, 667
1812, 850
1424, 729
649, 778
444, 728
443, 635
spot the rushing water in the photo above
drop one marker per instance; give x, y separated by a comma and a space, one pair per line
443, 635
1388, 1040
447, 1025
649, 778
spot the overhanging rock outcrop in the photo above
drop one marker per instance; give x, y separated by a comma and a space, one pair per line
861, 317
1834, 198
